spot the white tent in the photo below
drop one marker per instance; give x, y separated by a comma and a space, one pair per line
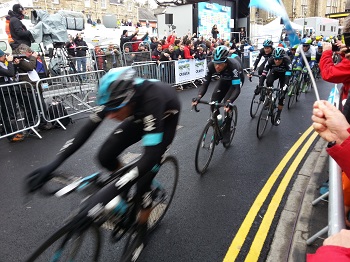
274, 28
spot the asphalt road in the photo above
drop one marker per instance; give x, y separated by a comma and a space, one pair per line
207, 210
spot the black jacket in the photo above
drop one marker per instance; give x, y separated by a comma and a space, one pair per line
19, 32
81, 47
124, 39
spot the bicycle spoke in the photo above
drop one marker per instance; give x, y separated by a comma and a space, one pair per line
254, 105
263, 119
233, 126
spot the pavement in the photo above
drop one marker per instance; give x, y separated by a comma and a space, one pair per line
300, 219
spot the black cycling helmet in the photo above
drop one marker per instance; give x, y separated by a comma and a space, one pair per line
220, 54
278, 53
116, 88
267, 43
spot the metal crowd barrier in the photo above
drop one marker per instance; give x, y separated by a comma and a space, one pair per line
147, 70
166, 72
136, 55
19, 109
111, 54
77, 92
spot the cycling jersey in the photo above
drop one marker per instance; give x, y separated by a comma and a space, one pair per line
154, 121
310, 53
273, 72
230, 80
261, 60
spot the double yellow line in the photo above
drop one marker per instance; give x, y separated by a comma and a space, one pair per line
264, 228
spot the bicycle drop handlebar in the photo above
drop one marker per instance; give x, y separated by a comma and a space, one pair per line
216, 104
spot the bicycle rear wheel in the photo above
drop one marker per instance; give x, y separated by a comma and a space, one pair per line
205, 148
263, 118
233, 125
66, 245
254, 105
292, 94
164, 185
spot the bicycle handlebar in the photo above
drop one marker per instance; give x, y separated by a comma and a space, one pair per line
248, 71
216, 104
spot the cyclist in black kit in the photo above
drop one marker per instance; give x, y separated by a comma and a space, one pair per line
229, 86
264, 54
277, 67
149, 111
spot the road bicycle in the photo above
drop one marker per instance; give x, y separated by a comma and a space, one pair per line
213, 133
294, 88
257, 99
268, 110
80, 238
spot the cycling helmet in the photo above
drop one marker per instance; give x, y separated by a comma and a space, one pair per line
295, 47
306, 41
220, 54
116, 88
318, 38
268, 43
319, 44
278, 53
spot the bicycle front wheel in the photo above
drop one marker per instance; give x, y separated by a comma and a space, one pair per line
254, 105
165, 184
263, 118
66, 245
205, 148
233, 126
292, 95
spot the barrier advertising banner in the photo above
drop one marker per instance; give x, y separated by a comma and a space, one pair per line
187, 70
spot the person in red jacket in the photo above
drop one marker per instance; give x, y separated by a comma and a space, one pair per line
187, 51
335, 73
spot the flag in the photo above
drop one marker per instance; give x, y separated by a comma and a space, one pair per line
277, 7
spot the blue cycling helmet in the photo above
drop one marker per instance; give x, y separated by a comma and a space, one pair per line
220, 54
278, 53
268, 43
116, 88
319, 44
306, 41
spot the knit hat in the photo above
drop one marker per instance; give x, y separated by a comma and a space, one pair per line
17, 8
1, 53
124, 31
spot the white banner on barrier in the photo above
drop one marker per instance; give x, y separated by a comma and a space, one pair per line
189, 70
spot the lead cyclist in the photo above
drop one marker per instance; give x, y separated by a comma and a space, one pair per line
229, 87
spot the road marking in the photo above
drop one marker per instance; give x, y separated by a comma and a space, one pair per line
243, 231
261, 234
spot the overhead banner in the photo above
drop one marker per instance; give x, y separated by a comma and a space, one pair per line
187, 70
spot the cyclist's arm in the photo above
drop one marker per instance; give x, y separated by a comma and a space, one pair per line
267, 68
203, 89
257, 60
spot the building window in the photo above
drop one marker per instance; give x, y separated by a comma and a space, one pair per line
87, 3
103, 4
129, 6
56, 2
332, 6
116, 2
271, 15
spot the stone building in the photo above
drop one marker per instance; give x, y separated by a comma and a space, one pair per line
93, 9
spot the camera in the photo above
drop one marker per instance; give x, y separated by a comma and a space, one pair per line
347, 39
335, 48
19, 56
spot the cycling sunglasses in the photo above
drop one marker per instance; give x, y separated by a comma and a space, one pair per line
306, 45
278, 59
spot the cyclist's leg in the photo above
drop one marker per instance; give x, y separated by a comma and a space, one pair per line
126, 134
220, 90
144, 184
232, 93
281, 98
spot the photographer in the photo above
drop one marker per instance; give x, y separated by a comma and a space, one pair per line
26, 72
81, 48
8, 97
19, 32
112, 57
338, 73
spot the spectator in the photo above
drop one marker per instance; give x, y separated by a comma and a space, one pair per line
200, 55
136, 42
179, 53
147, 24
154, 43
8, 97
138, 24
100, 58
112, 57
142, 53
157, 52
19, 32
129, 58
337, 73
27, 73
81, 54
242, 34
187, 52
126, 38
71, 47
215, 32
177, 44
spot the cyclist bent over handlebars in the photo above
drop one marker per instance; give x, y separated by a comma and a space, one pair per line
278, 67
149, 111
229, 86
